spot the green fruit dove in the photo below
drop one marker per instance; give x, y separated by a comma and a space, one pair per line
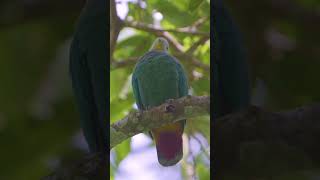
157, 77
88, 69
230, 69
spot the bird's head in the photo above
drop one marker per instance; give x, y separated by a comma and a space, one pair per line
160, 44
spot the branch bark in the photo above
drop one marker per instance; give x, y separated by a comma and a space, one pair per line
93, 166
297, 129
115, 28
171, 111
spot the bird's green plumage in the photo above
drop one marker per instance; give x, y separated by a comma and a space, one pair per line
158, 77
230, 76
88, 69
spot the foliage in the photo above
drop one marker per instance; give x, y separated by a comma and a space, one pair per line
38, 118
134, 42
281, 42
281, 50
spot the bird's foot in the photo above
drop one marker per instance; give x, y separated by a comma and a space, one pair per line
170, 108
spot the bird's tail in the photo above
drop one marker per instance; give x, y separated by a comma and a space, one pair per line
168, 141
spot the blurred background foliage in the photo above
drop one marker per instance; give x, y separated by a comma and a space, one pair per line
140, 23
39, 126
282, 42
283, 50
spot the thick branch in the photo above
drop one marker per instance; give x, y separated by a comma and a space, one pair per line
171, 111
298, 129
93, 166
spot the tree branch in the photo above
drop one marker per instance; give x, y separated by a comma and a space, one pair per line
123, 63
194, 61
171, 111
134, 123
132, 61
93, 166
183, 55
153, 29
197, 44
176, 46
115, 28
205, 151
298, 128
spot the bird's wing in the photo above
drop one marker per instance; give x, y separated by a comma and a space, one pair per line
83, 90
183, 81
96, 44
234, 84
136, 93
182, 84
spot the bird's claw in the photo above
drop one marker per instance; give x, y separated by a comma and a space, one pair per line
170, 108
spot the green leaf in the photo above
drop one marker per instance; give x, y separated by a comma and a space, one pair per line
122, 150
203, 171
194, 5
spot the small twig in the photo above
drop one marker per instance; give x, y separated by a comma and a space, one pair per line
116, 27
123, 63
199, 64
176, 46
184, 56
194, 61
153, 29
132, 61
199, 22
202, 147
196, 45
193, 173
173, 41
